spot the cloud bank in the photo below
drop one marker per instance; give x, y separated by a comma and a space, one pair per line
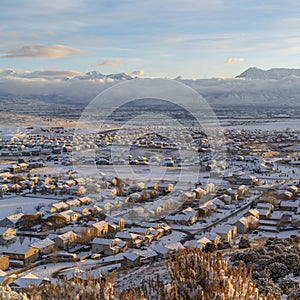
112, 62
138, 72
235, 60
42, 51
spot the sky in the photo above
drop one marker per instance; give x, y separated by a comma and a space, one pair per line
157, 38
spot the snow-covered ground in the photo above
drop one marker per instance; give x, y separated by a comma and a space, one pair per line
10, 205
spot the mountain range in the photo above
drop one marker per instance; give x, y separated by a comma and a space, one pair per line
254, 87
275, 73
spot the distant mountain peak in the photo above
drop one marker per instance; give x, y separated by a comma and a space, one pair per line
98, 75
274, 73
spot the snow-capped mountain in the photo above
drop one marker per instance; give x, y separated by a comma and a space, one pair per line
254, 87
275, 73
63, 74
97, 75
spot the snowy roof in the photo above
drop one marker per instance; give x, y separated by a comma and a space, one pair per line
147, 253
67, 213
160, 249
101, 241
204, 240
243, 220
42, 243
179, 217
149, 224
99, 224
131, 256
3, 230
224, 228
290, 204
253, 212
74, 202
126, 235
17, 250
67, 235
193, 244
138, 230
25, 281
175, 246
15, 218
113, 258
60, 205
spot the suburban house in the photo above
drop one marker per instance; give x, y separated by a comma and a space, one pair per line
226, 232
200, 243
140, 231
108, 246
264, 209
147, 256
188, 198
4, 262
59, 206
132, 239
162, 251
131, 259
212, 237
252, 212
11, 221
173, 247
289, 205
22, 282
180, 219
98, 229
7, 235
242, 225
44, 246
66, 241
69, 215
199, 192
25, 255
206, 208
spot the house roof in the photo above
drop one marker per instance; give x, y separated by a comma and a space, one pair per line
60, 205
15, 218
210, 235
17, 250
99, 224
160, 249
138, 230
131, 256
243, 221
25, 281
193, 244
101, 241
175, 246
126, 235
3, 230
179, 217
147, 253
67, 235
67, 213
42, 243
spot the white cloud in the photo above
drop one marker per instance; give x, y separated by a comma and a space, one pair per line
112, 62
138, 72
43, 51
234, 60
51, 73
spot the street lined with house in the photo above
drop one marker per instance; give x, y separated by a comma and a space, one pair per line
57, 220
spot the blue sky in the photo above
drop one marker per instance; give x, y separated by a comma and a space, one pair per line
166, 38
